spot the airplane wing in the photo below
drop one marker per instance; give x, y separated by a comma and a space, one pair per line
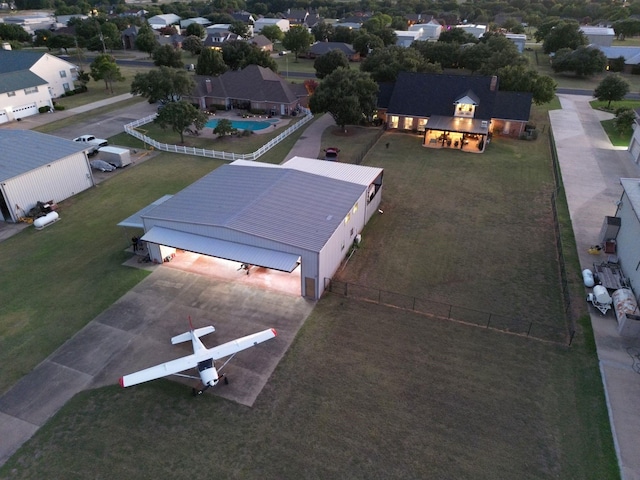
162, 370
240, 344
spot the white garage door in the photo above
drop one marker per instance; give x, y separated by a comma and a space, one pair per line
3, 116
635, 150
25, 111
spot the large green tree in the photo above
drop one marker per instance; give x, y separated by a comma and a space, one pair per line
565, 34
168, 56
192, 44
612, 88
240, 28
104, 68
298, 40
196, 30
211, 63
12, 32
272, 32
238, 54
179, 116
146, 40
164, 83
583, 62
348, 95
327, 63
519, 78
384, 64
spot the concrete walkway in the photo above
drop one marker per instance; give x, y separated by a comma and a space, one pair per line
310, 142
591, 171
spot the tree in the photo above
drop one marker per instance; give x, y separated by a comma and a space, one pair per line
626, 28
12, 32
146, 40
365, 42
457, 35
323, 32
104, 68
583, 61
565, 34
237, 54
297, 39
168, 56
164, 83
625, 118
240, 28
179, 116
612, 88
224, 128
384, 64
211, 63
518, 78
327, 63
196, 30
272, 32
192, 44
61, 41
348, 95
442, 53
473, 57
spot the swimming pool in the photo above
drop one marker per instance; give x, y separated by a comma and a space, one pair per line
243, 124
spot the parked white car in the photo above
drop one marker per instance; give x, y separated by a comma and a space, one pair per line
92, 142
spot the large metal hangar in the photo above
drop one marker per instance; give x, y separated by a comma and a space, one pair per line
305, 214
38, 167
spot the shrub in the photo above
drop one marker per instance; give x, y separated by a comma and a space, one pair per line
70, 93
44, 109
59, 107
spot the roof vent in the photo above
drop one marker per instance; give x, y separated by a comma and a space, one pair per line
329, 217
484, 123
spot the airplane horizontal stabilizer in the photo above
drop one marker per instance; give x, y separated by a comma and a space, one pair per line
186, 336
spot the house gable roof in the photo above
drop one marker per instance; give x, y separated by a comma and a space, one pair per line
16, 60
320, 48
253, 83
424, 94
12, 81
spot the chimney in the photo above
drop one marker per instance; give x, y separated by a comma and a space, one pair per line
208, 83
494, 84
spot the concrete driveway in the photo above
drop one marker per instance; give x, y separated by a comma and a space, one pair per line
135, 333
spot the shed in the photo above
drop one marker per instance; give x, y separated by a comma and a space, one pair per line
304, 214
38, 167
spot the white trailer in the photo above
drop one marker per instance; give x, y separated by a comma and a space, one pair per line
118, 157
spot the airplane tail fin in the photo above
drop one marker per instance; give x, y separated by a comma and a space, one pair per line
186, 336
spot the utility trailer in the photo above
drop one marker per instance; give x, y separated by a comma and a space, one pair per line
118, 157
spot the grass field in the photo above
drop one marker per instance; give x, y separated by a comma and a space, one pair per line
365, 391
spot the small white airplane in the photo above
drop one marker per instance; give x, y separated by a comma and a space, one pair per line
202, 358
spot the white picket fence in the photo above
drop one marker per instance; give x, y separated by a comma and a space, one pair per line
130, 128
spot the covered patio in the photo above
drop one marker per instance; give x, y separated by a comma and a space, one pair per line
467, 134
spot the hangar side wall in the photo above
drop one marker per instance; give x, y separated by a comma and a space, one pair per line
337, 248
628, 246
55, 181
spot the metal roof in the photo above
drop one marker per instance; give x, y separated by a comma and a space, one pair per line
278, 204
631, 187
237, 252
135, 220
24, 150
346, 172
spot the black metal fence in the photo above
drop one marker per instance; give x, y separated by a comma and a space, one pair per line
512, 325
564, 281
365, 149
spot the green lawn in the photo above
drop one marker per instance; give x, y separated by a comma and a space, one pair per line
365, 391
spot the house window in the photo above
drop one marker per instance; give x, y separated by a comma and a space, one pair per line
422, 123
393, 122
27, 91
66, 87
11, 94
355, 208
347, 218
407, 123
63, 74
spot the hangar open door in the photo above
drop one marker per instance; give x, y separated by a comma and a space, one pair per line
232, 261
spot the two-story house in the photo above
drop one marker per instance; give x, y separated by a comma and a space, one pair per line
30, 80
453, 111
